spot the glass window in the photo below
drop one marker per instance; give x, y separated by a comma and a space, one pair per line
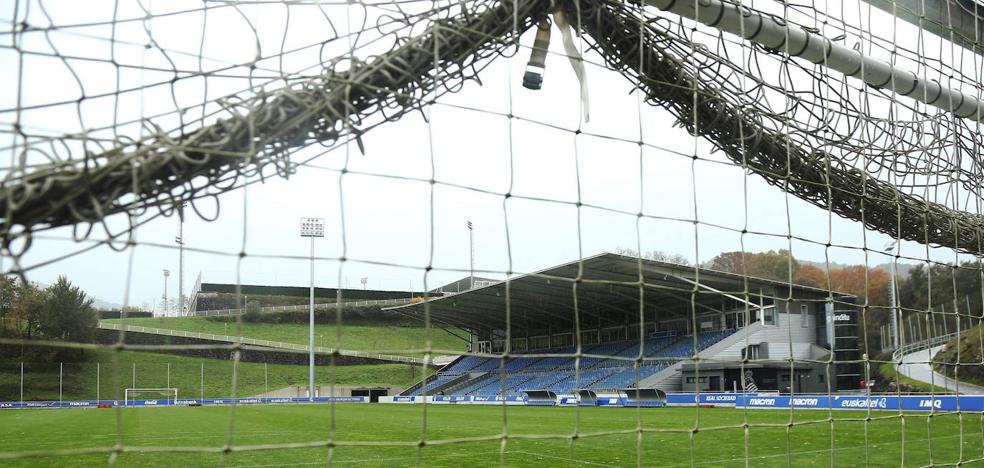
769, 316
751, 352
804, 315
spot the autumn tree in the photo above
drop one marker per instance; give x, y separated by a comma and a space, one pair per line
811, 275
774, 264
869, 284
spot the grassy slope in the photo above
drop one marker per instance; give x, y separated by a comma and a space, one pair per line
807, 443
378, 338
970, 354
889, 373
41, 380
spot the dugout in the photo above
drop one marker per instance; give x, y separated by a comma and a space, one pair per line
587, 398
651, 397
373, 394
540, 397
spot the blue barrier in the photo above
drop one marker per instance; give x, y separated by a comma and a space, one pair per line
178, 402
973, 403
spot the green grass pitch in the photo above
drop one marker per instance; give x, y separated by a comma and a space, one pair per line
388, 435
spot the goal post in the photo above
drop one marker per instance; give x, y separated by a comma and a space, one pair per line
131, 395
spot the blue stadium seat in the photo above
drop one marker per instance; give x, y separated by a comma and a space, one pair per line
558, 374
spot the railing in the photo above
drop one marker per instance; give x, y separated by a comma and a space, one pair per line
924, 344
324, 305
193, 301
256, 342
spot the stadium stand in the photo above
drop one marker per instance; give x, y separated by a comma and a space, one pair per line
480, 376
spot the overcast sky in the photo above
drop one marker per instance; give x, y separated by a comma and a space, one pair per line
393, 227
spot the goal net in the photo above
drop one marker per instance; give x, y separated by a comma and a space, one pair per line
150, 396
771, 208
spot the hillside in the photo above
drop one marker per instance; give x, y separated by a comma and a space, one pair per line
41, 379
387, 337
970, 352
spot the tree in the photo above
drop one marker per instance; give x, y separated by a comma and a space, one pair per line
25, 308
655, 255
774, 264
7, 296
252, 313
869, 284
811, 275
67, 314
731, 262
942, 290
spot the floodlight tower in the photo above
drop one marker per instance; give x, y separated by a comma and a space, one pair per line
312, 228
166, 274
892, 299
471, 256
179, 239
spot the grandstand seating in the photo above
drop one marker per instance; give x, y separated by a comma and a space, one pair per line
558, 373
685, 347
432, 384
466, 364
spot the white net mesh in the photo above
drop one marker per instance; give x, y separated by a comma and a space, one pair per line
761, 205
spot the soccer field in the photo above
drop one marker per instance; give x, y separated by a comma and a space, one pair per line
470, 436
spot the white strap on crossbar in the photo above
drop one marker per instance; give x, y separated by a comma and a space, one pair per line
577, 62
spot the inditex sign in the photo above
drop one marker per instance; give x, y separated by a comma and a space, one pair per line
842, 317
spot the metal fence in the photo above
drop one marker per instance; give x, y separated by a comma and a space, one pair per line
106, 380
276, 345
302, 307
924, 344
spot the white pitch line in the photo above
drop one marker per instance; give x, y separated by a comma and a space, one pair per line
582, 462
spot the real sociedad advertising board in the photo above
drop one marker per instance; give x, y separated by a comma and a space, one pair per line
178, 402
690, 399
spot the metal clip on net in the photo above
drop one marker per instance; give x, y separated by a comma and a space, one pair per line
533, 78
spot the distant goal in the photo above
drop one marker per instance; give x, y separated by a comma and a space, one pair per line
133, 395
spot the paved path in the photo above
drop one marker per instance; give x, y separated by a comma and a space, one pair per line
916, 366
